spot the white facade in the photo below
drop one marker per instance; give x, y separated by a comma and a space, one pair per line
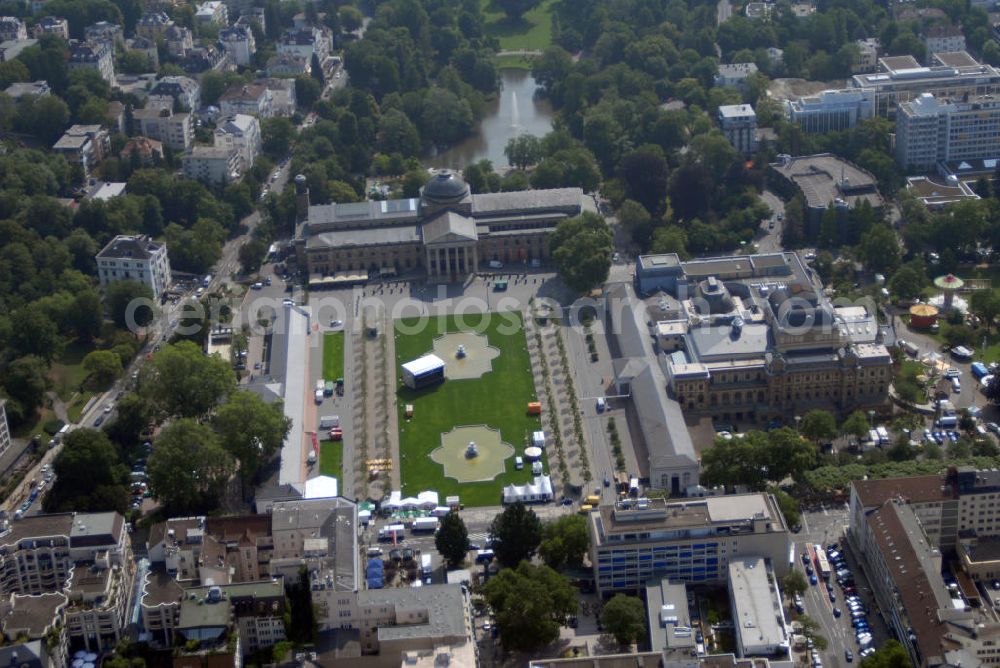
213, 165
831, 110
739, 124
4, 428
252, 99
161, 124
943, 39
97, 56
240, 133
135, 258
930, 130
213, 12
239, 44
758, 616
305, 42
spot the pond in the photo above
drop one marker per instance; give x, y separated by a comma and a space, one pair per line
516, 111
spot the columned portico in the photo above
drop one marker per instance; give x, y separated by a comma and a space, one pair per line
451, 261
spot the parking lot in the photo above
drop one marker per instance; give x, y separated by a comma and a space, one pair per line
844, 602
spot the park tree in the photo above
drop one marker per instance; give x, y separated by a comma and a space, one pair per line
130, 304
89, 475
564, 542
788, 505
909, 281
625, 618
986, 305
810, 628
637, 221
182, 381
132, 415
582, 248
33, 332
644, 172
277, 135
737, 461
26, 380
103, 367
530, 604
189, 468
452, 540
991, 390
855, 425
788, 454
523, 151
397, 134
818, 425
515, 534
794, 584
251, 255
879, 249
250, 430
670, 238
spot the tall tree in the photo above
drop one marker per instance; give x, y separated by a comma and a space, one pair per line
625, 618
250, 430
452, 540
103, 366
515, 534
130, 304
89, 475
564, 542
26, 380
582, 248
523, 151
531, 603
818, 425
182, 381
188, 469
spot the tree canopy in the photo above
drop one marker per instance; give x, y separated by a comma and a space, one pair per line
582, 248
250, 430
188, 469
530, 603
89, 475
564, 542
625, 618
516, 534
452, 540
182, 381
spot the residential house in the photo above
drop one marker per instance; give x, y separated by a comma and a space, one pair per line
212, 13
135, 258
179, 41
305, 42
204, 58
147, 48
19, 89
734, 74
84, 145
287, 65
212, 165
12, 29
153, 24
142, 151
105, 31
251, 99
941, 38
185, 91
239, 43
241, 133
93, 55
50, 25
739, 124
161, 123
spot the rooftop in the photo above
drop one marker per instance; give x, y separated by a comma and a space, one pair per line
139, 247
914, 489
667, 615
757, 610
736, 111
824, 178
32, 615
444, 605
738, 510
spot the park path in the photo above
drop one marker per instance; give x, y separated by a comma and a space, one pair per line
58, 407
519, 53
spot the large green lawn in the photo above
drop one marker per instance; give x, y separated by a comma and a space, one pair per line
498, 399
67, 371
331, 460
333, 355
533, 32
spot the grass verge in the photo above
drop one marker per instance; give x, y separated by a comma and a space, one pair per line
333, 355
331, 459
75, 409
498, 399
67, 372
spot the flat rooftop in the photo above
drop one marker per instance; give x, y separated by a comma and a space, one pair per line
824, 177
670, 515
757, 610
667, 615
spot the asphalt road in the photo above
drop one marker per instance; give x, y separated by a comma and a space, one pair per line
824, 526
768, 237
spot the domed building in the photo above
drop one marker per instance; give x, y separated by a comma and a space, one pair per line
446, 233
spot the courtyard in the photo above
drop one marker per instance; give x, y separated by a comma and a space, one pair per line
483, 400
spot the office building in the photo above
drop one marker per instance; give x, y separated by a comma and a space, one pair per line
85, 558
667, 618
824, 180
739, 124
831, 110
446, 232
951, 75
734, 74
754, 338
930, 130
689, 541
135, 258
758, 613
95, 56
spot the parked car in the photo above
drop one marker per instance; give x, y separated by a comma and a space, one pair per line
848, 656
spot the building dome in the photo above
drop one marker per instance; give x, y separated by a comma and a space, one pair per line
445, 187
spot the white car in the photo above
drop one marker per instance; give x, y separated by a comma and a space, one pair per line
109, 408
952, 372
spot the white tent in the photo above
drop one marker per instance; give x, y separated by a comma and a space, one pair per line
537, 491
428, 500
394, 501
538, 439
321, 487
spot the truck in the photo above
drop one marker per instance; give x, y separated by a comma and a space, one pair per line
329, 421
391, 532
979, 370
425, 524
425, 565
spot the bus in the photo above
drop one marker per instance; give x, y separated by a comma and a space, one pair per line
822, 565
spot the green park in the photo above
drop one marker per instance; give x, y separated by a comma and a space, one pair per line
331, 455
495, 401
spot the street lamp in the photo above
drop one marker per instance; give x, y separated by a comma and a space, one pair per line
871, 418
798, 420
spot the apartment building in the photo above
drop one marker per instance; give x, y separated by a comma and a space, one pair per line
153, 24
19, 89
930, 130
179, 41
212, 13
212, 165
242, 134
250, 99
758, 613
304, 42
940, 38
38, 619
51, 25
94, 56
85, 556
184, 90
739, 125
148, 48
734, 75
690, 541
867, 58
831, 110
135, 258
12, 29
159, 122
107, 32
84, 145
4, 428
239, 43
951, 75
